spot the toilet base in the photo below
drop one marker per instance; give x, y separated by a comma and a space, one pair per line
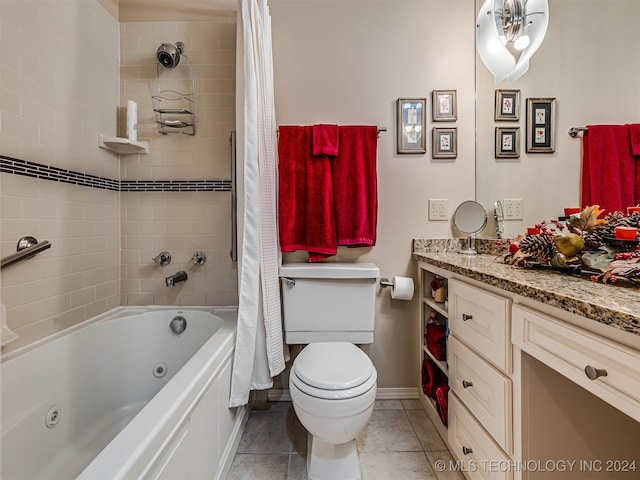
330, 461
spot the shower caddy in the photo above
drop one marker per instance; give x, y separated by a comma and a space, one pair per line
175, 109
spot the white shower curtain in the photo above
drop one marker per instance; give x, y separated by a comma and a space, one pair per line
259, 352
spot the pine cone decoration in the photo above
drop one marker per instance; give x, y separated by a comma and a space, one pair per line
540, 247
632, 220
593, 240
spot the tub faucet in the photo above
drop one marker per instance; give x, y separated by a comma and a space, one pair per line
176, 278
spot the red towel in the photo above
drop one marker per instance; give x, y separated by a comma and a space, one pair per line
325, 140
634, 138
355, 186
608, 168
305, 200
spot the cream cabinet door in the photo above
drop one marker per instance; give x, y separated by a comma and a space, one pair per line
484, 390
481, 320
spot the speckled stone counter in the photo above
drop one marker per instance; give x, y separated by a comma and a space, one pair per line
612, 305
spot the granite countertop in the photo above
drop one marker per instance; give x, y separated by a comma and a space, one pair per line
613, 305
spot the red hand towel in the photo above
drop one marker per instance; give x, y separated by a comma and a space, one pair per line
325, 140
608, 168
355, 187
634, 138
305, 200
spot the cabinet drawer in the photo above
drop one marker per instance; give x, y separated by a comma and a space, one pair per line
473, 446
481, 319
571, 351
484, 390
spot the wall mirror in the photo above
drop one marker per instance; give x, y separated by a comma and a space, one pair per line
548, 182
470, 217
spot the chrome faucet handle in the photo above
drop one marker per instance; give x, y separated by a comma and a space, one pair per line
199, 258
163, 259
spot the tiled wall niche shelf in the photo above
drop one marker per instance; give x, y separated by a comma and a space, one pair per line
123, 146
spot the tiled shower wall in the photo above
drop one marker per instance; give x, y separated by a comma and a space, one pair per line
179, 222
59, 91
67, 68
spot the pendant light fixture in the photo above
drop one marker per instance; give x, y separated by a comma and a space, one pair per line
508, 33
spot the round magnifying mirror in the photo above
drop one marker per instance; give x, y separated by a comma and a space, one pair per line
470, 217
498, 215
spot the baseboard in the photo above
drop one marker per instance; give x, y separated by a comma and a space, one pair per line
405, 393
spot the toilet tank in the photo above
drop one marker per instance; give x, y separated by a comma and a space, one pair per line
329, 302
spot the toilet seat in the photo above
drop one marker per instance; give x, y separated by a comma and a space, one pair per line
333, 370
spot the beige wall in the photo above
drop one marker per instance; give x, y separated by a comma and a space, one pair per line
347, 62
179, 222
59, 91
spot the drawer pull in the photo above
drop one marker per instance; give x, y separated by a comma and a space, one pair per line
466, 317
594, 373
466, 450
466, 384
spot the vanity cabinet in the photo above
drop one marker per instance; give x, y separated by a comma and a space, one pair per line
480, 362
609, 371
536, 390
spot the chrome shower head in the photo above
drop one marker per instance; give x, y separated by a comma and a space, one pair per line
168, 54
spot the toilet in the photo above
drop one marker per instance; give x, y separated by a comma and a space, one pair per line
330, 307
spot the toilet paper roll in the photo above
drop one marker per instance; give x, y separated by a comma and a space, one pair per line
132, 120
402, 288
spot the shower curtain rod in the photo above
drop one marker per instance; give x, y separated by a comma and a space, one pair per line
574, 131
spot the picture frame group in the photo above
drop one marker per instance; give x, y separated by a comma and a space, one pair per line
411, 125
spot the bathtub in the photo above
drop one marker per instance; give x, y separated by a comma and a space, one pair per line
122, 396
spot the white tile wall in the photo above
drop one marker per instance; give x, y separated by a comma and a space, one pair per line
179, 222
68, 68
59, 90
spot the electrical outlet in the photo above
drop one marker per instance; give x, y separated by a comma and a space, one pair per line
513, 208
438, 209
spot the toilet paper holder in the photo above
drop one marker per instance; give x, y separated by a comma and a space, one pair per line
384, 282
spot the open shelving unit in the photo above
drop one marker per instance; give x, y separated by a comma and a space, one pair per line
428, 273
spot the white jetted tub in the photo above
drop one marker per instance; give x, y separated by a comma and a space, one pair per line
124, 396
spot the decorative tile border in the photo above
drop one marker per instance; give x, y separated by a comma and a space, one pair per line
175, 185
45, 172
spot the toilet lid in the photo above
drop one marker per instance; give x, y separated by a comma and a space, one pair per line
333, 366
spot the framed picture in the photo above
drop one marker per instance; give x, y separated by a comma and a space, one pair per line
411, 125
541, 125
445, 142
507, 105
445, 105
507, 142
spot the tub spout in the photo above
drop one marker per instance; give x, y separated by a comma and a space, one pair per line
176, 278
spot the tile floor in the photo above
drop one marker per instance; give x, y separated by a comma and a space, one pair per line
399, 443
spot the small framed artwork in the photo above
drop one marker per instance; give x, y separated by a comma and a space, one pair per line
445, 105
445, 142
507, 105
541, 123
507, 142
411, 125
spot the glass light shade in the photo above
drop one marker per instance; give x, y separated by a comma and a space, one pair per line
522, 42
493, 50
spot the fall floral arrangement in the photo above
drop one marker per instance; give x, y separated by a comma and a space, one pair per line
608, 249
